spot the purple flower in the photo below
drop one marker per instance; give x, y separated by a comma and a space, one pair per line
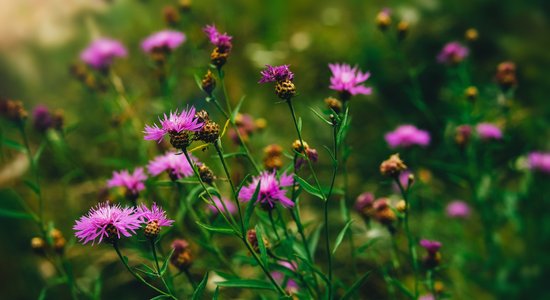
231, 207
175, 165
539, 161
271, 190
220, 40
426, 297
364, 201
132, 182
291, 285
430, 246
101, 52
166, 39
155, 214
311, 154
458, 209
452, 53
347, 80
488, 131
276, 74
175, 123
107, 221
406, 136
42, 118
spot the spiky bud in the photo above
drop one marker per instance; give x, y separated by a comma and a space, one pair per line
209, 133
285, 89
207, 176
180, 140
334, 104
393, 166
208, 83
152, 229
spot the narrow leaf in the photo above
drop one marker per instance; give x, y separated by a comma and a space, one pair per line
165, 263
349, 293
314, 240
197, 294
341, 236
246, 283
320, 116
309, 188
261, 246
222, 230
251, 205
237, 109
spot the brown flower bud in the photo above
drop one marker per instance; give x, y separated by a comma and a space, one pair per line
207, 176
58, 119
471, 93
181, 257
209, 132
38, 245
208, 83
506, 74
298, 147
393, 166
218, 57
13, 110
383, 19
334, 104
180, 140
471, 35
401, 206
402, 29
170, 15
252, 238
184, 5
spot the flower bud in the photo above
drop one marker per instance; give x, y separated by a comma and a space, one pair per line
38, 245
401, 206
402, 29
393, 166
170, 15
209, 133
260, 123
207, 176
152, 229
184, 5
181, 257
462, 135
13, 110
218, 57
471, 35
252, 238
285, 89
208, 83
506, 75
383, 19
334, 104
299, 147
471, 93
58, 240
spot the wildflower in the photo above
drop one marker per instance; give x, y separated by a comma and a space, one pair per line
471, 93
252, 238
348, 81
393, 166
223, 44
334, 104
488, 131
458, 209
273, 159
155, 218
471, 35
181, 257
58, 240
38, 245
246, 127
101, 53
42, 119
133, 183
363, 204
162, 43
304, 149
107, 222
506, 75
383, 212
170, 15
539, 161
406, 136
434, 257
463, 134
402, 29
271, 189
175, 165
231, 207
209, 133
177, 126
289, 285
426, 297
208, 83
452, 53
283, 77
13, 110
206, 174
383, 19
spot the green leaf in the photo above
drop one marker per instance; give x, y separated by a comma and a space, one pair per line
261, 246
314, 240
147, 271
10, 209
32, 186
246, 283
236, 110
14, 145
320, 116
251, 205
309, 188
197, 294
366, 245
198, 81
165, 263
39, 152
234, 154
403, 288
349, 293
341, 236
216, 293
222, 230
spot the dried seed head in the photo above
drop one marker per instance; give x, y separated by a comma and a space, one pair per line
207, 176
152, 229
218, 57
393, 166
208, 83
285, 89
209, 133
180, 140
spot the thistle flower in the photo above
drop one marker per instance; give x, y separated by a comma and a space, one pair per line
220, 40
181, 257
452, 53
506, 75
430, 246
348, 81
42, 118
175, 165
392, 166
177, 126
101, 53
363, 204
231, 207
271, 189
107, 222
539, 161
463, 134
488, 131
155, 218
406, 136
434, 257
291, 286
276, 74
164, 41
133, 183
458, 209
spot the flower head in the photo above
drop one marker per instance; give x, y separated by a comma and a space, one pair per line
108, 222
348, 80
42, 118
407, 136
452, 53
364, 202
101, 52
488, 131
132, 182
172, 124
175, 165
291, 286
220, 40
155, 214
458, 209
430, 246
219, 204
276, 74
181, 257
539, 161
271, 189
166, 39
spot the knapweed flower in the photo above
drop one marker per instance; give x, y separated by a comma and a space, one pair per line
430, 246
392, 166
458, 209
506, 75
276, 74
175, 165
181, 257
231, 207
177, 126
42, 118
271, 190
363, 204
488, 131
348, 81
132, 182
383, 18
539, 161
452, 53
220, 40
434, 257
155, 218
106, 221
164, 41
406, 136
291, 286
101, 53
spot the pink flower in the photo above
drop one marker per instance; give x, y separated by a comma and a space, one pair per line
175, 123
220, 40
155, 214
175, 165
277, 73
452, 53
231, 207
42, 118
132, 182
430, 246
347, 80
458, 209
406, 136
291, 285
488, 131
101, 52
426, 297
166, 39
271, 189
539, 161
364, 201
107, 221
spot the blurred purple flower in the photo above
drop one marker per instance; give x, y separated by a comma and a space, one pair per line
132, 182
42, 118
277, 73
107, 221
406, 136
426, 297
364, 201
231, 207
311, 153
220, 40
175, 123
347, 80
155, 214
452, 53
101, 52
539, 161
166, 39
271, 189
175, 165
488, 131
291, 285
430, 246
458, 209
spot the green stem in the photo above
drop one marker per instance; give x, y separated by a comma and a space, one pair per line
273, 225
154, 250
190, 278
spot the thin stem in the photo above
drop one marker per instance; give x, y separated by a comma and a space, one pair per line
154, 250
273, 225
264, 268
190, 278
